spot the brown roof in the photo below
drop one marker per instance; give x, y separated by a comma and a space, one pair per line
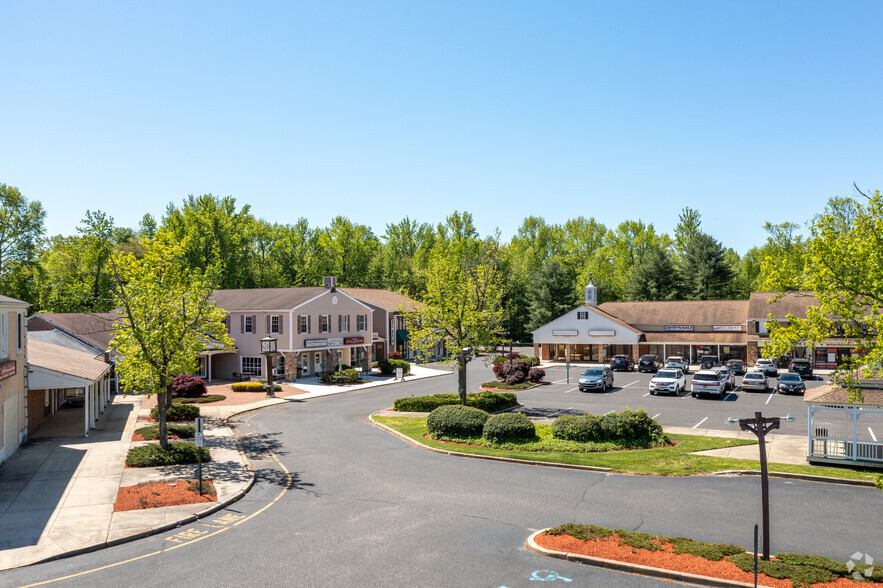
759, 305
264, 298
614, 318
832, 394
680, 312
692, 338
383, 298
94, 328
66, 361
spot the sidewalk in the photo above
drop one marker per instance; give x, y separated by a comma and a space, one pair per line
57, 492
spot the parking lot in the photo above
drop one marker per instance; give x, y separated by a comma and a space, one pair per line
631, 389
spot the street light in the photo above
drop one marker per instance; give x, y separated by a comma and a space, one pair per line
268, 350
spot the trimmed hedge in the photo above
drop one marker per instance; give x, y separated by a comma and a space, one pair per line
177, 412
253, 387
628, 425
179, 452
456, 420
487, 401
388, 366
151, 432
508, 427
533, 361
345, 376
201, 399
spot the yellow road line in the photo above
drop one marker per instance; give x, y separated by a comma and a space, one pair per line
146, 555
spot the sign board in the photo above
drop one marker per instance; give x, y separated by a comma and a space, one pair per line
730, 328
602, 333
399, 373
353, 340
199, 427
198, 424
198, 440
337, 342
565, 333
8, 369
679, 328
315, 342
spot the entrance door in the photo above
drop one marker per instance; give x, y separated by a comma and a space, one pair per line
305, 364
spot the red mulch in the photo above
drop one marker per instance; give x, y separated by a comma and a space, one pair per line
233, 398
159, 494
609, 548
138, 437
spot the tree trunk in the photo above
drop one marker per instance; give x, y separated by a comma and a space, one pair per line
162, 402
461, 378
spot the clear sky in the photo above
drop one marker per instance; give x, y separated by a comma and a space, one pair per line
746, 111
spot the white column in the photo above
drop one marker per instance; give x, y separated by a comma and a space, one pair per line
208, 366
809, 431
87, 410
854, 411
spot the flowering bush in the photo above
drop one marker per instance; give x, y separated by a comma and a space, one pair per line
187, 386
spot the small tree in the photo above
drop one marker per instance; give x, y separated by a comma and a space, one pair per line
167, 320
187, 386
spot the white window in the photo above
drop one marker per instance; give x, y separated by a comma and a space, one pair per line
324, 320
274, 324
248, 324
343, 323
305, 362
362, 322
252, 365
582, 315
303, 324
4, 333
201, 371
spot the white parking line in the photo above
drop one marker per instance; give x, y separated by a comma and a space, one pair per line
646, 395
700, 422
727, 397
571, 390
627, 385
560, 381
769, 398
874, 437
687, 395
560, 411
609, 411
655, 416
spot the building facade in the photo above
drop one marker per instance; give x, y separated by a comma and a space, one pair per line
13, 375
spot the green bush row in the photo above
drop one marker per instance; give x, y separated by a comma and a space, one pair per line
177, 412
456, 420
152, 432
179, 452
533, 361
628, 425
201, 399
346, 376
487, 401
508, 426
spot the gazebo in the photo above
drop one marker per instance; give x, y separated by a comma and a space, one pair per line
836, 433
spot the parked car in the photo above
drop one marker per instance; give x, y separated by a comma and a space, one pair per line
802, 367
767, 366
648, 363
708, 382
737, 366
679, 363
668, 381
599, 378
755, 381
790, 383
728, 376
709, 361
622, 362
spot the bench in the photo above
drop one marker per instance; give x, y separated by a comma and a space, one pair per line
241, 377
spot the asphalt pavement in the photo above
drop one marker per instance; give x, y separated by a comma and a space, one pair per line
347, 504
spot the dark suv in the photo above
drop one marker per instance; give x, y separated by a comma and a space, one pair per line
648, 363
709, 361
802, 367
622, 362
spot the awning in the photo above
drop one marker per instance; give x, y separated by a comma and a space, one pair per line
696, 338
379, 340
402, 336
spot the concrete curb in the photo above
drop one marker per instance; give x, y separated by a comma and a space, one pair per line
802, 477
404, 437
621, 566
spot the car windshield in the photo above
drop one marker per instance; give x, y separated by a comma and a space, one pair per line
754, 376
706, 377
593, 373
734, 362
666, 374
789, 378
764, 362
619, 357
674, 360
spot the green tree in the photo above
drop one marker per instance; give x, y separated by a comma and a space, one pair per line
21, 236
689, 223
654, 277
784, 254
295, 253
346, 250
395, 265
550, 293
705, 271
623, 249
167, 319
463, 306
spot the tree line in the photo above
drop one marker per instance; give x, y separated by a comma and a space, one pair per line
543, 267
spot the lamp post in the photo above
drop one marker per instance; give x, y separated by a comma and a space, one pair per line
268, 350
760, 426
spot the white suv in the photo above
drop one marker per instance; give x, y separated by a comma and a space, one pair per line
708, 382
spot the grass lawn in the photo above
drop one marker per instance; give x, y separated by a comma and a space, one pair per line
665, 461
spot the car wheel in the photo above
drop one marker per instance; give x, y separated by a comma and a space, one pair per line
694, 395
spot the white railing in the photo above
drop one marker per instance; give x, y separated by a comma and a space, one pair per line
842, 448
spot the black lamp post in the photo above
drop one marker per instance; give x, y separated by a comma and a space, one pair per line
268, 350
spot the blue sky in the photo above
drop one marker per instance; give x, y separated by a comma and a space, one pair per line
746, 111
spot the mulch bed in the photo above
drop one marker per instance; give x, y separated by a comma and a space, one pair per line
233, 398
609, 548
160, 494
137, 437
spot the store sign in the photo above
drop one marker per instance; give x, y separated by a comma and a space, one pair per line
679, 328
602, 333
337, 342
315, 342
7, 370
565, 333
727, 328
353, 340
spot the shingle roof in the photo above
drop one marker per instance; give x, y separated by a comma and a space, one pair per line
95, 328
687, 338
830, 393
383, 298
264, 298
612, 317
790, 303
60, 359
14, 301
677, 312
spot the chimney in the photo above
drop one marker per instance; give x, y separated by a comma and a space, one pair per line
591, 293
330, 282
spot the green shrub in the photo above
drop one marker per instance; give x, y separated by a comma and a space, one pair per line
181, 431
628, 425
580, 429
179, 452
247, 386
533, 361
800, 575
456, 421
346, 376
388, 366
508, 427
580, 531
201, 399
816, 561
709, 551
487, 401
177, 412
638, 540
498, 385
